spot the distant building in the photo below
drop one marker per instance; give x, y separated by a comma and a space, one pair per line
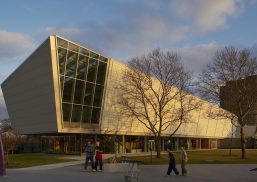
229, 97
65, 94
229, 100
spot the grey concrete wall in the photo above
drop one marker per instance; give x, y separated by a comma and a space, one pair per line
236, 143
29, 94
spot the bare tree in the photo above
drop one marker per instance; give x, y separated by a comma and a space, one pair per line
214, 113
155, 90
5, 126
110, 134
11, 140
227, 81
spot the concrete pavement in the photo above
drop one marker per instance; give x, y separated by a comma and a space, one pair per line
147, 173
79, 160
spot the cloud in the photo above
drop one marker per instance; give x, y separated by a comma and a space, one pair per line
115, 40
14, 45
198, 56
253, 2
2, 77
133, 31
208, 15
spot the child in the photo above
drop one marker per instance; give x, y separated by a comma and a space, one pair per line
98, 157
172, 164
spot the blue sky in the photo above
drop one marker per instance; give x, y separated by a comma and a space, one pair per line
125, 29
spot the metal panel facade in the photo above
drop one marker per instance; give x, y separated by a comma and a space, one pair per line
29, 94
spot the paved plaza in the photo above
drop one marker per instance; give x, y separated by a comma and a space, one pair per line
147, 173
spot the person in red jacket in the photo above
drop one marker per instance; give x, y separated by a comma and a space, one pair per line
98, 156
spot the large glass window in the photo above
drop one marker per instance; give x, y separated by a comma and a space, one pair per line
86, 115
101, 73
73, 47
68, 89
103, 59
82, 67
76, 113
62, 53
94, 55
78, 92
91, 74
82, 77
71, 64
89, 94
61, 83
62, 43
84, 51
66, 108
98, 95
95, 115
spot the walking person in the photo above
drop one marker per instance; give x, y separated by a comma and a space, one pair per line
90, 152
98, 157
184, 160
172, 165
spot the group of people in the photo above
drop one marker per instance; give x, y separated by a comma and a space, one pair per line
172, 163
94, 154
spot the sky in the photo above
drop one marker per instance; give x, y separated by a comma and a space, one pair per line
121, 29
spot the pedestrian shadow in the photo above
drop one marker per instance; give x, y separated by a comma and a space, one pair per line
255, 169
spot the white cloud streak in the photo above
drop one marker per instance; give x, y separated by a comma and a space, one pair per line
207, 15
136, 32
198, 56
14, 45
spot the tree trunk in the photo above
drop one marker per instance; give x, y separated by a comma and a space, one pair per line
2, 159
158, 147
243, 144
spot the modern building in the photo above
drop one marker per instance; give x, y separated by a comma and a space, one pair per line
244, 91
65, 94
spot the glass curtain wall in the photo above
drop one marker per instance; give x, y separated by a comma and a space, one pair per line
82, 77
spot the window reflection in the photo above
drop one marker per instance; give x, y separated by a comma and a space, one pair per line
92, 70
71, 64
78, 92
86, 115
73, 47
82, 67
98, 95
62, 53
68, 89
61, 83
94, 55
76, 113
103, 59
101, 73
95, 115
84, 51
66, 108
88, 93
62, 43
